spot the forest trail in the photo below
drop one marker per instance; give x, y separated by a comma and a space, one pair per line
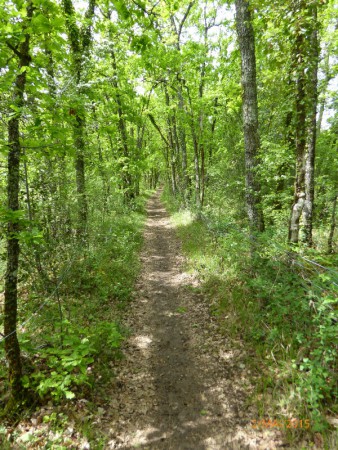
181, 385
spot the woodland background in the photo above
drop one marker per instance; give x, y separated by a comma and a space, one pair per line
232, 107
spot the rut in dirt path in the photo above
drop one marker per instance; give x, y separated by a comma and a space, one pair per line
181, 384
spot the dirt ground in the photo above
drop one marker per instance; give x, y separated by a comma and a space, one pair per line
182, 385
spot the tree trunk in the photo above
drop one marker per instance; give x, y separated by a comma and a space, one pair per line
177, 27
201, 115
102, 171
79, 40
212, 129
246, 41
197, 167
171, 145
305, 63
12, 347
183, 147
333, 226
325, 84
80, 175
300, 130
126, 177
202, 174
312, 132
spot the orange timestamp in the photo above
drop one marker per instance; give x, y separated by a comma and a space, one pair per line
281, 423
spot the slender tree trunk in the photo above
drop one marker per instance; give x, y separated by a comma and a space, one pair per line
212, 129
177, 151
183, 146
326, 81
328, 75
13, 249
127, 179
305, 56
52, 165
201, 150
12, 347
28, 195
172, 160
333, 226
171, 145
197, 167
196, 153
177, 27
312, 133
102, 171
201, 115
250, 113
300, 130
80, 175
167, 155
202, 174
79, 40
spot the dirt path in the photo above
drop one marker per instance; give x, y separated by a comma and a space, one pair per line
181, 385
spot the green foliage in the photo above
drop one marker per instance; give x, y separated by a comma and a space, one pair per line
282, 305
71, 364
76, 331
187, 78
319, 380
8, 215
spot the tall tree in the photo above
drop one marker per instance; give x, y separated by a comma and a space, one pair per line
177, 28
79, 40
298, 63
305, 65
124, 150
12, 348
246, 41
312, 126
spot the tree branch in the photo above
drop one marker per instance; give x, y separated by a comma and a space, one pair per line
152, 120
86, 31
151, 13
14, 49
191, 4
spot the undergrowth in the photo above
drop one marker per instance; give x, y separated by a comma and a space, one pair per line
69, 314
283, 304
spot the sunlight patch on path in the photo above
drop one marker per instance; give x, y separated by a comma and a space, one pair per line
142, 342
182, 384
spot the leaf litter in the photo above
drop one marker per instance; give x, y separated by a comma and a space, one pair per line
181, 384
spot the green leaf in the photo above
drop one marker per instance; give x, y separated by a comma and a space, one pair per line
40, 24
69, 394
24, 69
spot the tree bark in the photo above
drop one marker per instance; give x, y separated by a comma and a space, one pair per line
102, 171
300, 127
212, 129
80, 174
126, 177
305, 63
177, 29
197, 168
12, 347
333, 226
196, 153
312, 132
79, 40
183, 147
325, 83
246, 41
171, 146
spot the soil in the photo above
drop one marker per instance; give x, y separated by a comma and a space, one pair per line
182, 384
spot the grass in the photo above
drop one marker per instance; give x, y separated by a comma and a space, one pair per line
69, 345
272, 304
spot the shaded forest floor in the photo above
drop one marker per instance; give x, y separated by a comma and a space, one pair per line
182, 384
183, 381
